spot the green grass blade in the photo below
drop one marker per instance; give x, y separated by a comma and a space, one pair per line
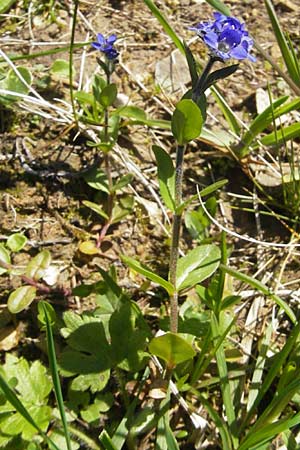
277, 405
227, 112
217, 420
259, 124
219, 6
258, 372
53, 51
287, 54
106, 441
165, 24
55, 375
271, 430
280, 136
273, 372
262, 288
18, 405
295, 57
224, 382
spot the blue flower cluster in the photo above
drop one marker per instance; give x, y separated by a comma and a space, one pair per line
226, 37
106, 46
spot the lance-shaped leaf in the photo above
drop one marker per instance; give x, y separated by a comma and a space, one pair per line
197, 265
218, 75
191, 64
144, 270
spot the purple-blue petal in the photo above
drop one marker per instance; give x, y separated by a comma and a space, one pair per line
100, 38
231, 37
111, 39
211, 39
239, 52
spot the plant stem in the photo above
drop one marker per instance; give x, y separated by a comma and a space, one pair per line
91, 444
175, 237
111, 195
201, 80
74, 21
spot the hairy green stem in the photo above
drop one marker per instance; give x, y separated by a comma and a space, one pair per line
175, 237
90, 443
201, 80
111, 195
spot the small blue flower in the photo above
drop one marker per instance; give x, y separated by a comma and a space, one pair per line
106, 46
226, 37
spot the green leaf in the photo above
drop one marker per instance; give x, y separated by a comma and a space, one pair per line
166, 176
106, 441
131, 112
191, 64
16, 242
172, 348
37, 266
97, 179
228, 113
122, 182
12, 82
33, 382
225, 384
54, 372
256, 284
96, 208
213, 187
122, 208
282, 135
197, 265
128, 332
21, 298
5, 5
146, 272
219, 74
187, 121
34, 387
259, 124
219, 6
61, 68
84, 98
51, 315
96, 382
5, 257
108, 95
57, 436
166, 26
286, 52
